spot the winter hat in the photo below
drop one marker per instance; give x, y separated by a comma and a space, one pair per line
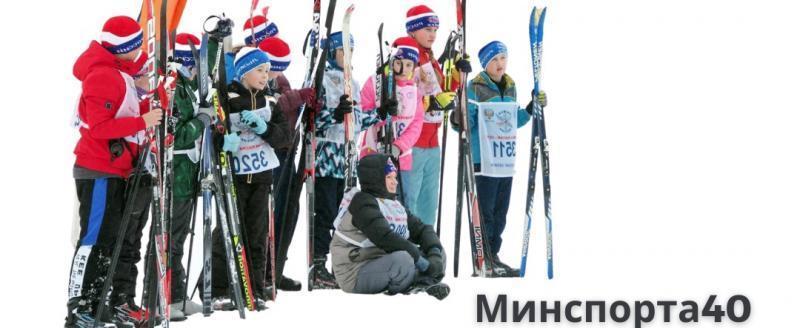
336, 42
389, 168
262, 29
121, 34
248, 59
183, 51
278, 51
406, 49
420, 17
491, 50
372, 171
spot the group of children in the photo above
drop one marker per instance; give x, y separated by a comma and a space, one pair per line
380, 236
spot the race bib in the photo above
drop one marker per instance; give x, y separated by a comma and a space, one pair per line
497, 128
254, 155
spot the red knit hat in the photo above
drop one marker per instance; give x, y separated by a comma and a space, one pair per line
278, 51
121, 34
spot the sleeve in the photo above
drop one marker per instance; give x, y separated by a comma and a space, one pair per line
368, 218
472, 107
411, 133
324, 118
522, 117
277, 134
423, 234
289, 103
188, 128
367, 113
102, 97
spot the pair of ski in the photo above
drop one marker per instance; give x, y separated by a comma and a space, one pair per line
157, 160
538, 144
482, 256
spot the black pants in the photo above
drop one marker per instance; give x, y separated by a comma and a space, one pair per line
102, 203
328, 193
253, 214
181, 217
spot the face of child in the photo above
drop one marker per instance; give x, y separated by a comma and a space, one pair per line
273, 75
497, 67
340, 57
404, 68
130, 56
257, 78
425, 37
391, 182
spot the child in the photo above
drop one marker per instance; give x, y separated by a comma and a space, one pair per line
375, 245
406, 113
330, 156
189, 127
282, 97
421, 186
256, 130
494, 117
112, 132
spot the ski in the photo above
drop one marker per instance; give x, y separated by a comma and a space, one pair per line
292, 174
448, 85
482, 263
349, 120
309, 147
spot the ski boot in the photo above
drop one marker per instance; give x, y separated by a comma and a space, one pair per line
321, 278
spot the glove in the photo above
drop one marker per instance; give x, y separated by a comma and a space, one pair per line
345, 107
256, 123
231, 142
542, 99
207, 115
396, 151
463, 65
308, 95
422, 264
444, 101
388, 108
436, 268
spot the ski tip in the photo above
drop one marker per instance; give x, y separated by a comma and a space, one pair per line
350, 9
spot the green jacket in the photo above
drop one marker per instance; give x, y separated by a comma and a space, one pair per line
188, 130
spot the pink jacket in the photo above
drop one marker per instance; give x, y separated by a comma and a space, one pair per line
407, 123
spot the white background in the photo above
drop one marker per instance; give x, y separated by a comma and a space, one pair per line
673, 152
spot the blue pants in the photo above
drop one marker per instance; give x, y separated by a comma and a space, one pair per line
493, 198
421, 184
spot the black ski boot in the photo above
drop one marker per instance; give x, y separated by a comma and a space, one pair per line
321, 278
502, 270
289, 285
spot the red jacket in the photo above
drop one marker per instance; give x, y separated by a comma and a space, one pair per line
107, 84
429, 137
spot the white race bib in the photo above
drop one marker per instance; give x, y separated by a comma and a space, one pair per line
254, 155
497, 128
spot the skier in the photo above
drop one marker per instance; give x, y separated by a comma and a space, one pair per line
112, 132
375, 247
494, 117
189, 126
422, 184
406, 113
256, 130
330, 157
282, 97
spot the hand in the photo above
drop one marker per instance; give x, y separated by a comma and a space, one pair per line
309, 97
463, 65
436, 268
542, 99
388, 108
231, 142
256, 123
396, 151
345, 107
444, 101
422, 264
153, 117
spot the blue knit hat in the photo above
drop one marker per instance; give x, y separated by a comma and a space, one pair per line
183, 49
259, 27
419, 17
491, 50
248, 59
336, 42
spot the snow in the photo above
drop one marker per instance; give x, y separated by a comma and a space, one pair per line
673, 155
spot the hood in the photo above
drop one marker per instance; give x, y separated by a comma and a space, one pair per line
371, 175
98, 57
